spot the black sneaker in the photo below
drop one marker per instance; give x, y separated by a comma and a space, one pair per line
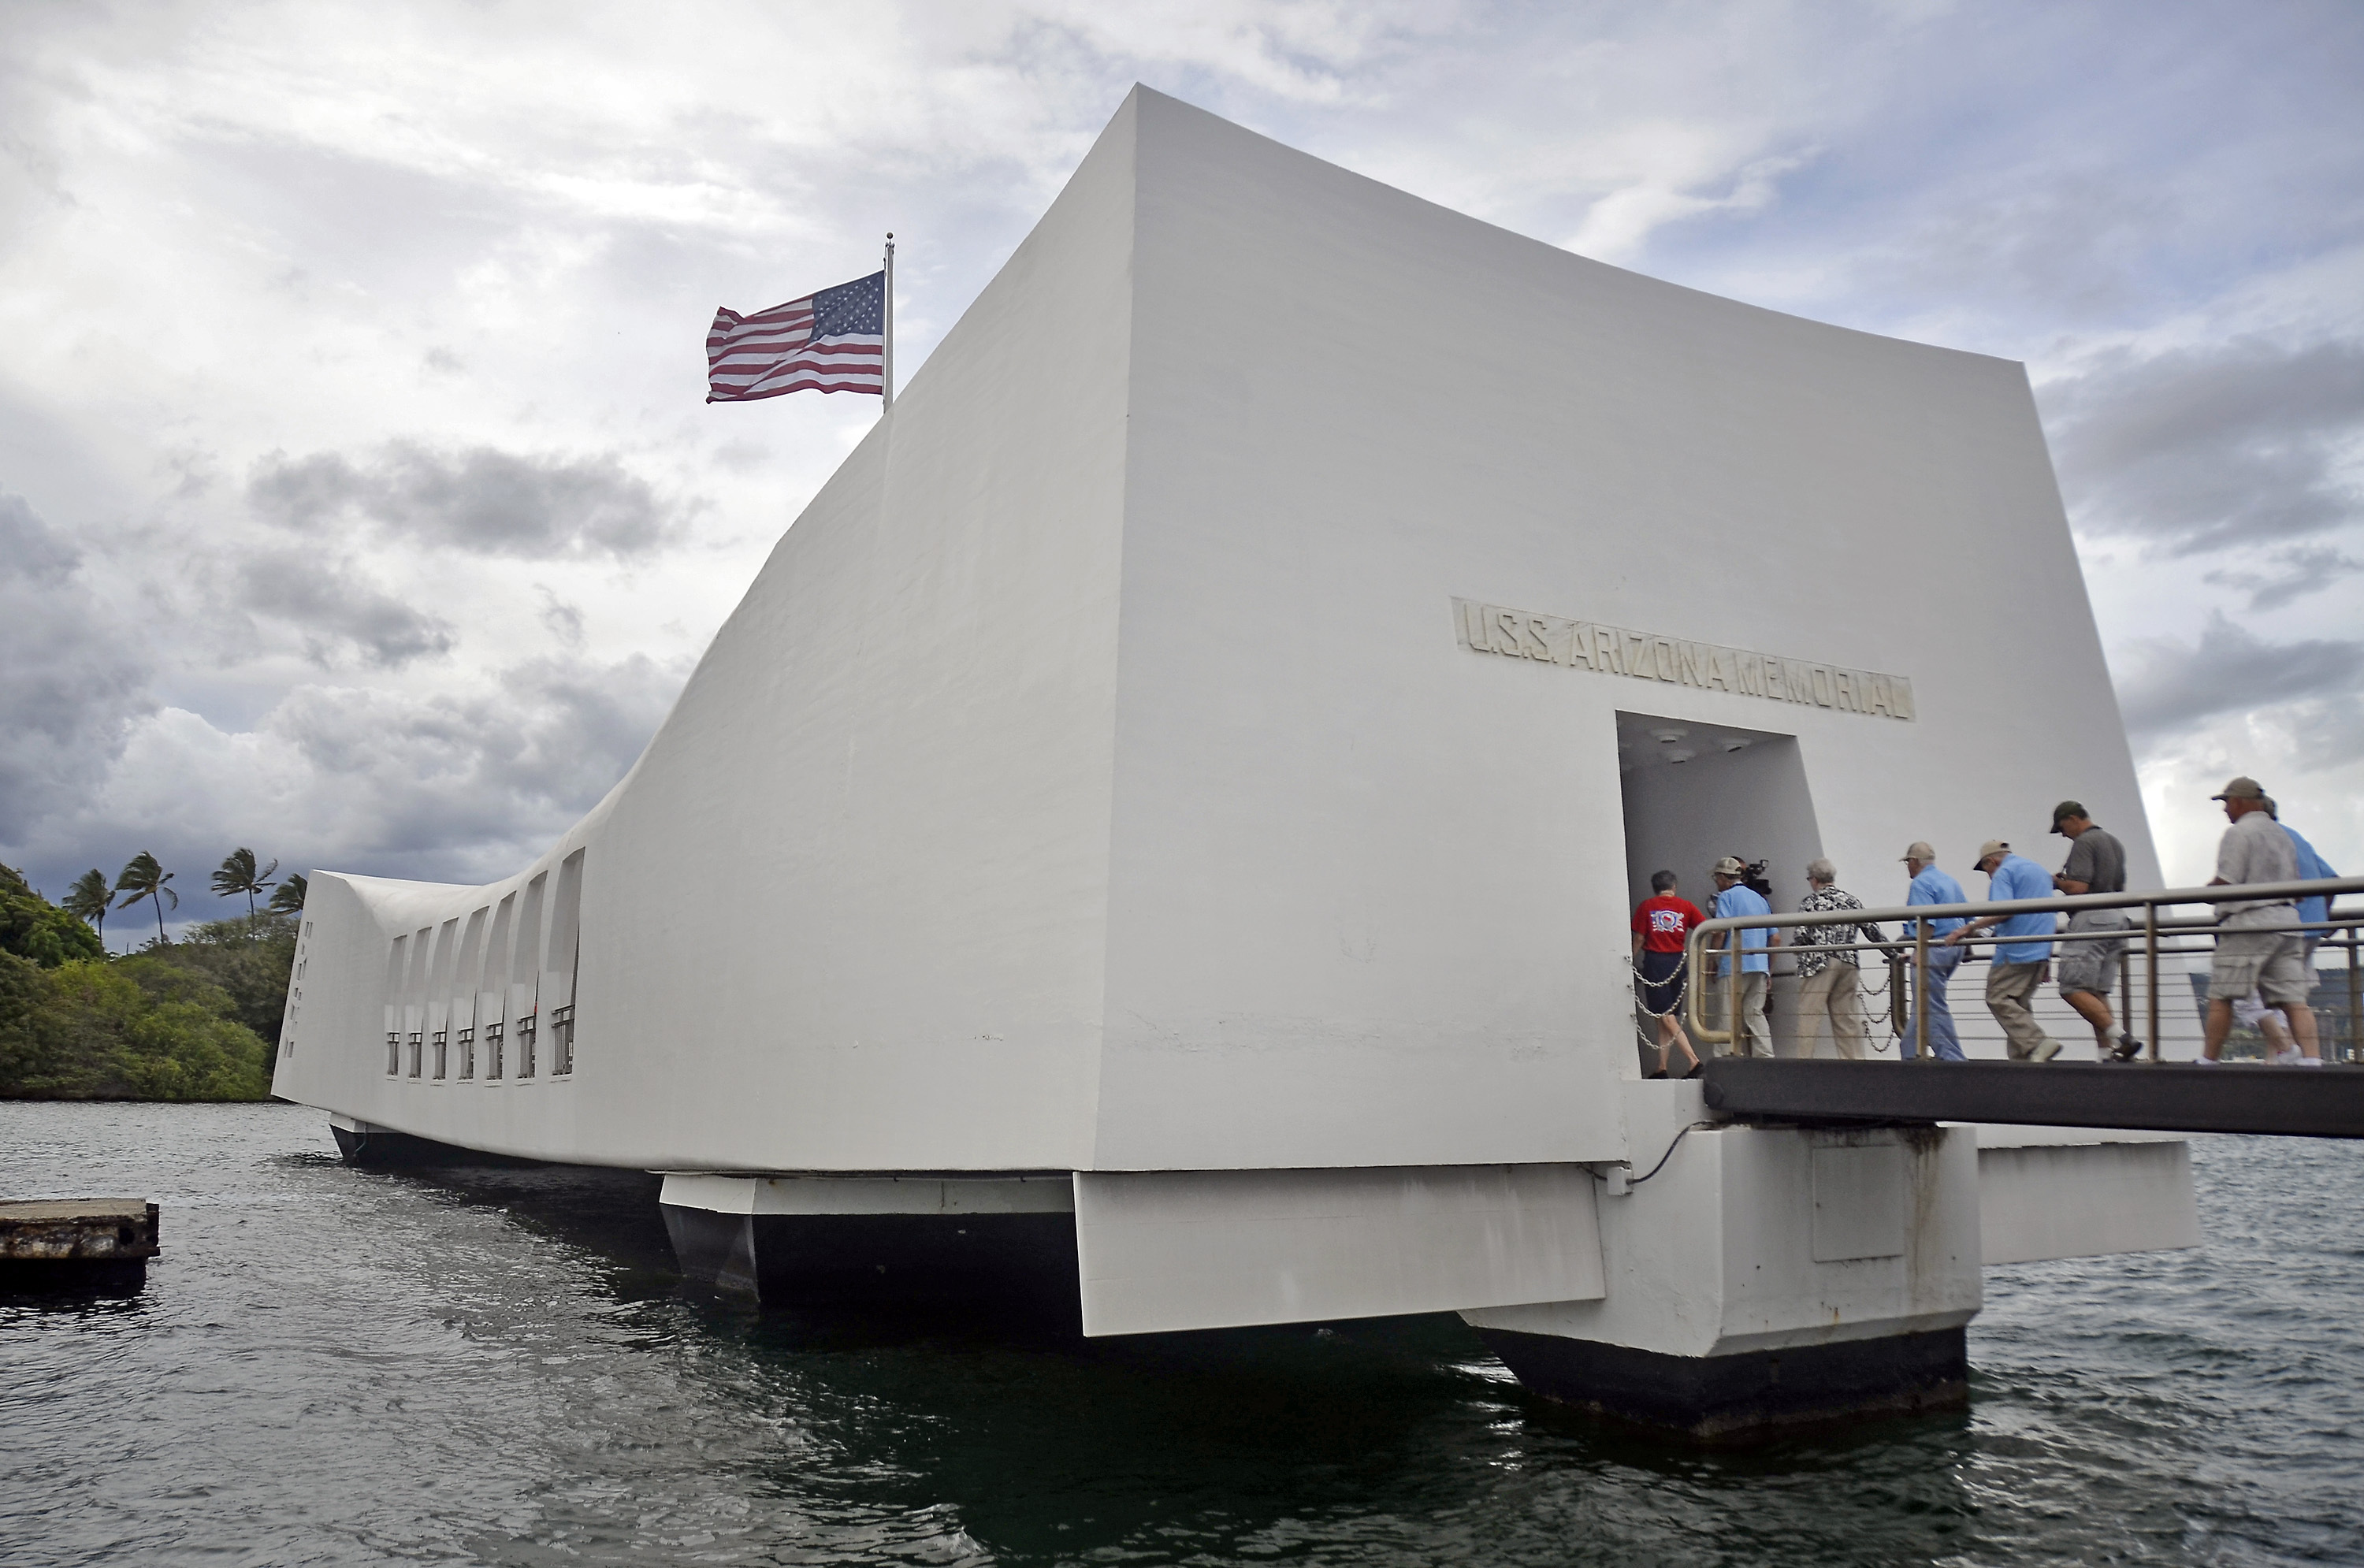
1697, 1068
2127, 1050
1659, 1074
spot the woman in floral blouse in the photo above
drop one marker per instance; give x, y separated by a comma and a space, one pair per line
1827, 980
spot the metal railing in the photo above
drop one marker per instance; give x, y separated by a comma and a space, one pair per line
2150, 929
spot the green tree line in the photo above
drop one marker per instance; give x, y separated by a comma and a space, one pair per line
196, 1019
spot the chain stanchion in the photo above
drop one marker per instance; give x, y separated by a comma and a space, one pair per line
1897, 1014
2355, 993
1921, 990
1697, 997
1642, 1008
1643, 983
2126, 996
2150, 971
1736, 947
1890, 986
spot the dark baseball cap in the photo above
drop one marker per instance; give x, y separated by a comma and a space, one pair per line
2065, 809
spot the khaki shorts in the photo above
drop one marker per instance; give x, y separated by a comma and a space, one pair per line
2270, 963
2092, 966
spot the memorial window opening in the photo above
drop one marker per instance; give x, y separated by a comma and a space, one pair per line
493, 990
438, 999
561, 967
414, 999
525, 977
466, 986
397, 967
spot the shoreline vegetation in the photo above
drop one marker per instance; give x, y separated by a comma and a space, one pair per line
194, 1020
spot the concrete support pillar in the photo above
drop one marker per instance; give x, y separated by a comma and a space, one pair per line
1765, 1278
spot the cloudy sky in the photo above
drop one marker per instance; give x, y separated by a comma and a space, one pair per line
358, 504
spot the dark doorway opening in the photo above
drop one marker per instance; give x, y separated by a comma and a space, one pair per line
1694, 792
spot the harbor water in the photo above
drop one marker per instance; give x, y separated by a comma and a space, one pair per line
339, 1365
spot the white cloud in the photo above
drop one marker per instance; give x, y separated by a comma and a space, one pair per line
2201, 449
2323, 798
456, 786
72, 685
482, 500
333, 608
2291, 572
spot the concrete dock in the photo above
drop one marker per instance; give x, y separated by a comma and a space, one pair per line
50, 1241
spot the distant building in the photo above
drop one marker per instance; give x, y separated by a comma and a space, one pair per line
2332, 1021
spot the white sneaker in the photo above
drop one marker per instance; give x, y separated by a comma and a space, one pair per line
2045, 1053
2205, 1062
2308, 1061
2284, 1058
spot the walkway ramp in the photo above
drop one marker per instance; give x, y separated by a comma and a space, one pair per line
2159, 1096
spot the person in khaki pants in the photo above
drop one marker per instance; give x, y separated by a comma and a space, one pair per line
1828, 982
2019, 966
1734, 898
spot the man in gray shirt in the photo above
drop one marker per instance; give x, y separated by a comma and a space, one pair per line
2089, 970
2257, 941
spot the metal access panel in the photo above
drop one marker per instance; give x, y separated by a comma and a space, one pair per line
1161, 1250
1859, 1200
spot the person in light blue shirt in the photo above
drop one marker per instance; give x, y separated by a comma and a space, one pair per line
2311, 911
2018, 967
1931, 885
1734, 897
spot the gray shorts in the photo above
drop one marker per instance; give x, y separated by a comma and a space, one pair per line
2092, 966
2270, 963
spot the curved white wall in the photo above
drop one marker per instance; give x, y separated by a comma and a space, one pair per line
1126, 796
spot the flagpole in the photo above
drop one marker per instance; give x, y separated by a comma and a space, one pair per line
887, 383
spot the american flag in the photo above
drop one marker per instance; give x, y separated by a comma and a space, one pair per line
830, 341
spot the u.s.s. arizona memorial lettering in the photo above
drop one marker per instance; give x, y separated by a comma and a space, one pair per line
1646, 656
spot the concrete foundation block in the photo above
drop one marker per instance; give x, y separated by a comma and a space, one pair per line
1765, 1278
1748, 1397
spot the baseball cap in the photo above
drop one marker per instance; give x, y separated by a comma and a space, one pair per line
1730, 866
2068, 808
2243, 788
1991, 847
1919, 849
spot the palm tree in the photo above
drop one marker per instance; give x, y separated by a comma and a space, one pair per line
143, 878
238, 875
289, 899
90, 898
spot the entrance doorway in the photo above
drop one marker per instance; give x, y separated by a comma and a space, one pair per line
1694, 792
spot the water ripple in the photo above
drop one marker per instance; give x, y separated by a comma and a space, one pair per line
332, 1365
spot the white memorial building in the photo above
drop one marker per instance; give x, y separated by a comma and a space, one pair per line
1199, 756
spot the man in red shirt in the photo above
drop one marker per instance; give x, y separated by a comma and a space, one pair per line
1659, 927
